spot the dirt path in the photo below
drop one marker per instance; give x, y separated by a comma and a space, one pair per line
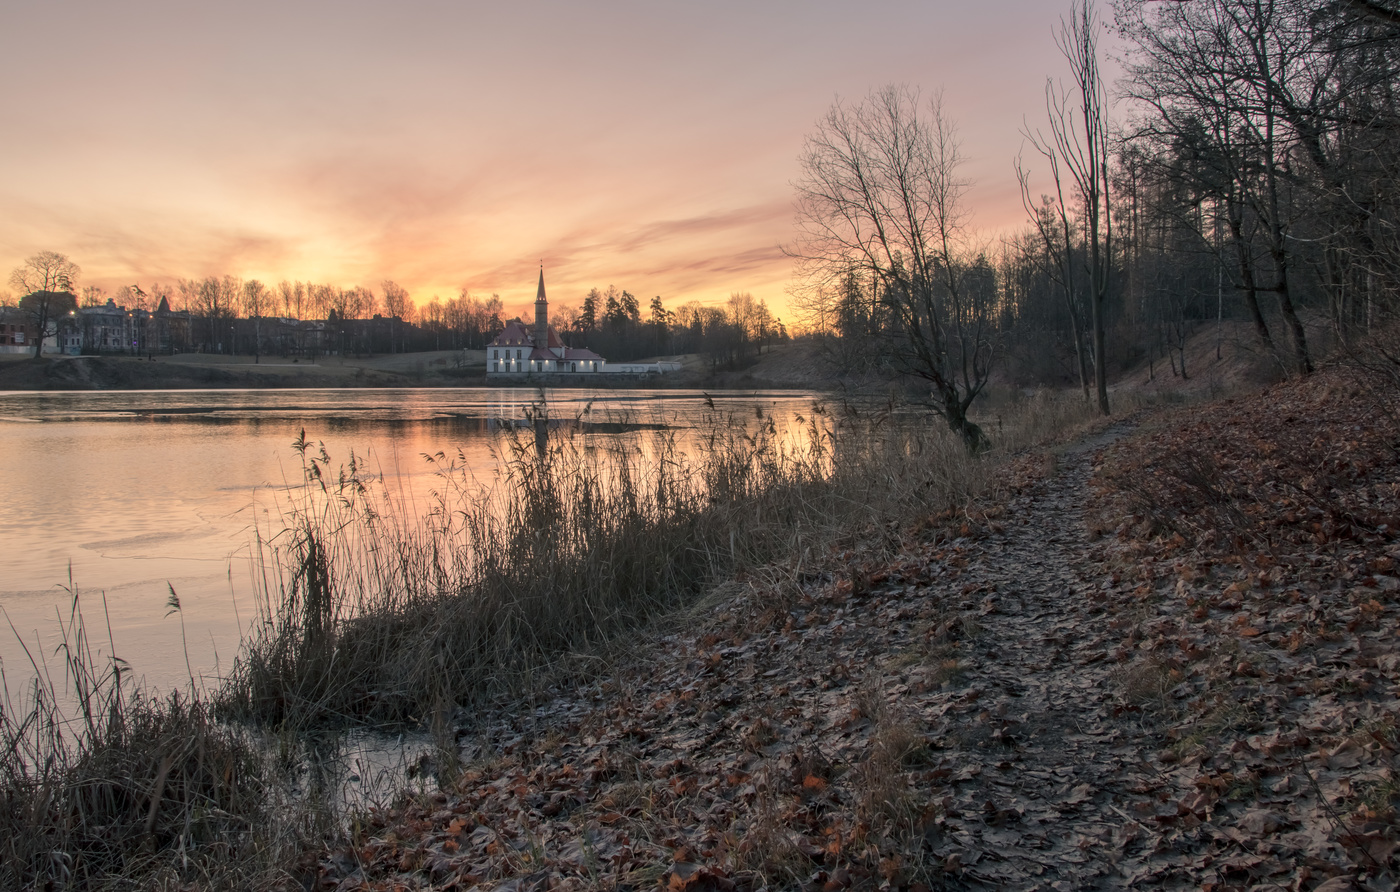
1048, 754
944, 720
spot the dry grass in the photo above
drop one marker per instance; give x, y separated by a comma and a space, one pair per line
372, 616
102, 782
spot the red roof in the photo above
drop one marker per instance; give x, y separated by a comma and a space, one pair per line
518, 334
515, 335
570, 355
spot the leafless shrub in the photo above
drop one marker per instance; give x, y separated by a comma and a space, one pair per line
884, 801
1202, 497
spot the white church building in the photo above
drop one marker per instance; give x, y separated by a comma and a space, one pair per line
523, 351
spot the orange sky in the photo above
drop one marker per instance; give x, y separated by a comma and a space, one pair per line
647, 144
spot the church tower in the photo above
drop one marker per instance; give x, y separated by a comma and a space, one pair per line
541, 316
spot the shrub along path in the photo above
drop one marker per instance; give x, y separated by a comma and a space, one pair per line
1016, 700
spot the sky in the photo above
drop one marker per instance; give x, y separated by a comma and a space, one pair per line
460, 144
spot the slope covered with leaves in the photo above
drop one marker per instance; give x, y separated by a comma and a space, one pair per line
1157, 659
1255, 550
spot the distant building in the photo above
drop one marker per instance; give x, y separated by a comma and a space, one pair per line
109, 328
522, 351
170, 329
105, 329
16, 331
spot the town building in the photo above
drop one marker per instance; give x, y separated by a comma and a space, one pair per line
16, 331
109, 328
524, 351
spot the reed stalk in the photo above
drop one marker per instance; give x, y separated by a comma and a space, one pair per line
102, 780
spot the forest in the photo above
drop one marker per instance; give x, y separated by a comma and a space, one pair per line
1241, 171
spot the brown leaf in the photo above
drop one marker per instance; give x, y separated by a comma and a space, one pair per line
1346, 757
1259, 822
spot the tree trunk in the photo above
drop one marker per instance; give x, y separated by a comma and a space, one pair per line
1302, 360
1100, 360
1249, 285
43, 324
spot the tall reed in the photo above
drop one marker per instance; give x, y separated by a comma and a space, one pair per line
374, 615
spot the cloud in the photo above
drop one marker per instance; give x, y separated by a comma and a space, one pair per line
703, 256
444, 145
121, 249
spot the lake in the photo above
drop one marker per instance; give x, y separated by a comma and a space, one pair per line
133, 494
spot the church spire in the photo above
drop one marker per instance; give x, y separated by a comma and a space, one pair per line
541, 315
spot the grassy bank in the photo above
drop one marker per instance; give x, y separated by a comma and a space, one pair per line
371, 615
374, 615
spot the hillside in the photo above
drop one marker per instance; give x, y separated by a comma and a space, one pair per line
1216, 362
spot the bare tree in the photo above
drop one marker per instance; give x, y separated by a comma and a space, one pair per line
45, 282
816, 307
257, 301
397, 306
743, 312
321, 300
1055, 233
292, 298
880, 196
216, 299
1078, 144
188, 293
1239, 77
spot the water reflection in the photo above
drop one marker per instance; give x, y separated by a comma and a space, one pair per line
133, 493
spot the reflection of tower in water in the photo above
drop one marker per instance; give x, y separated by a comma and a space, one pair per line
535, 415
541, 425
511, 413
515, 407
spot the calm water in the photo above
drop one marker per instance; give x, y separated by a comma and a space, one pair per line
134, 493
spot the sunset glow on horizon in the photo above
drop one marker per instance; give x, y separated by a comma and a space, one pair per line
650, 146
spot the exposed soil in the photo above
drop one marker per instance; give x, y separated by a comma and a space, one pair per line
1052, 690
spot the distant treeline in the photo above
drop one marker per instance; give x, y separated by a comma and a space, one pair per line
231, 315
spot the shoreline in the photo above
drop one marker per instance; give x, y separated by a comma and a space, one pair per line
206, 372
